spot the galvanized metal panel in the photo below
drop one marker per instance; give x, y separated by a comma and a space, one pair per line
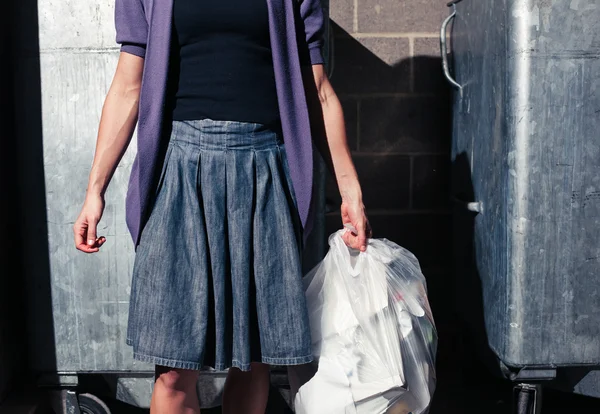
554, 53
90, 293
76, 24
528, 125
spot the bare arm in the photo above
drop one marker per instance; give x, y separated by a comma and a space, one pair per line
119, 117
337, 154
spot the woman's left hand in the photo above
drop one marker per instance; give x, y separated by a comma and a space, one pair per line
353, 214
339, 158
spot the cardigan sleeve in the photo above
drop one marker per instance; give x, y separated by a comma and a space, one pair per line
311, 12
131, 26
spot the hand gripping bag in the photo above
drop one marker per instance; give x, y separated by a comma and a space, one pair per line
373, 333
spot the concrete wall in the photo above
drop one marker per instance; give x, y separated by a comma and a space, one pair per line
388, 74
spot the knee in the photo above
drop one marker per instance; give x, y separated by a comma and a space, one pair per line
177, 380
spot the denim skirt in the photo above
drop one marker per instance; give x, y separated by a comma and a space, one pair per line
217, 279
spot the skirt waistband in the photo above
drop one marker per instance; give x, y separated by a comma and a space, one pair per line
209, 134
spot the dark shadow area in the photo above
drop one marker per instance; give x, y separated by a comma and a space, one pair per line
400, 140
468, 288
481, 384
387, 123
11, 289
25, 277
404, 100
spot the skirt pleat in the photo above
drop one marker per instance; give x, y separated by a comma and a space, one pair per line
217, 276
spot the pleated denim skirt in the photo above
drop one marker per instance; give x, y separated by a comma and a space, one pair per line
217, 279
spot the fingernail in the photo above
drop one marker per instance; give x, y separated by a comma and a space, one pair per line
91, 242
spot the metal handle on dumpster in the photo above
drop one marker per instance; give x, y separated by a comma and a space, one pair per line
472, 206
444, 49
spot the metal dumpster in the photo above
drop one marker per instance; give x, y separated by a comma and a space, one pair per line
78, 304
526, 182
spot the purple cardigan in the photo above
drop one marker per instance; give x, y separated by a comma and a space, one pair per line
144, 29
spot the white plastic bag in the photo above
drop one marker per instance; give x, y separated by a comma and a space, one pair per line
373, 333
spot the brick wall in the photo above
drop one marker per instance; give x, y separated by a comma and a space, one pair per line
387, 72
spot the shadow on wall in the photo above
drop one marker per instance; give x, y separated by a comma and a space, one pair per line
398, 122
26, 301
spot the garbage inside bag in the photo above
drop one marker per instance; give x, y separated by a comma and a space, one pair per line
373, 333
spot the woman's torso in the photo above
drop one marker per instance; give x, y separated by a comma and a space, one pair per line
221, 62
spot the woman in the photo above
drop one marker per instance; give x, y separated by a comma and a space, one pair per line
220, 190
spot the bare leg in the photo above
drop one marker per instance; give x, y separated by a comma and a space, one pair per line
247, 392
175, 392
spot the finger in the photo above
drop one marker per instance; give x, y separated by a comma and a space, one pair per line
362, 237
346, 237
350, 228
84, 247
80, 234
91, 232
351, 240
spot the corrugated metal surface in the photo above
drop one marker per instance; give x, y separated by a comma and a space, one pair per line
526, 130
